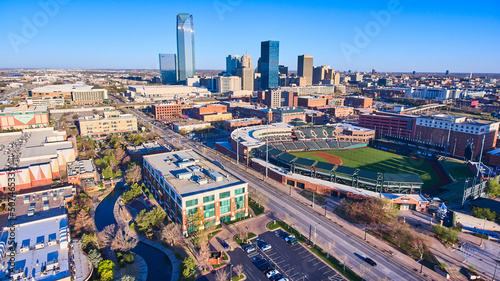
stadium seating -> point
(319, 133)
(290, 146)
(279, 146)
(312, 145)
(334, 144)
(322, 144)
(300, 145)
(344, 144)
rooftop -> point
(189, 173)
(250, 136)
(64, 88)
(80, 167)
(20, 109)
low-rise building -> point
(212, 113)
(288, 114)
(358, 101)
(76, 93)
(137, 152)
(24, 117)
(189, 125)
(100, 127)
(230, 125)
(167, 111)
(82, 171)
(195, 192)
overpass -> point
(422, 108)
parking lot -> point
(292, 261)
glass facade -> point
(239, 191)
(185, 47)
(269, 60)
(224, 194)
(191, 203)
(239, 203)
(209, 198)
(209, 211)
(168, 68)
(225, 206)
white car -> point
(272, 272)
(289, 237)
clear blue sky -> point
(425, 36)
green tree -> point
(94, 257)
(106, 270)
(188, 268)
(146, 220)
(107, 172)
(482, 213)
(135, 190)
(493, 188)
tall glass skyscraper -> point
(185, 46)
(269, 56)
(168, 68)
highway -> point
(304, 217)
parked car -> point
(283, 235)
(224, 244)
(276, 277)
(271, 273)
(290, 237)
(248, 248)
(283, 279)
(370, 261)
(293, 241)
(263, 245)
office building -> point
(168, 92)
(168, 68)
(269, 55)
(319, 74)
(78, 93)
(233, 62)
(188, 187)
(211, 112)
(428, 93)
(166, 111)
(185, 47)
(459, 135)
(228, 84)
(288, 114)
(389, 124)
(358, 101)
(275, 98)
(283, 70)
(100, 127)
(305, 68)
(230, 125)
(246, 73)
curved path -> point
(125, 226)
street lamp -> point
(366, 228)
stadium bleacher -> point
(319, 133)
(300, 145)
(312, 145)
(307, 133)
(344, 144)
(279, 146)
(322, 144)
(290, 146)
(334, 144)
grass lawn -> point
(375, 160)
(458, 169)
(255, 207)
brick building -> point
(358, 101)
(386, 123)
(167, 111)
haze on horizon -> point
(390, 36)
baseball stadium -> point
(338, 153)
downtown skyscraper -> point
(185, 47)
(168, 68)
(269, 59)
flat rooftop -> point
(20, 109)
(80, 167)
(248, 135)
(64, 88)
(183, 170)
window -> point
(208, 198)
(239, 203)
(191, 203)
(179, 201)
(225, 206)
(239, 191)
(224, 194)
(209, 210)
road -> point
(305, 218)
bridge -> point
(422, 108)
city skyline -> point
(399, 36)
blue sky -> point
(425, 36)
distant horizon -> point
(395, 36)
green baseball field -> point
(375, 160)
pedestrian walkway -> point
(124, 225)
(143, 268)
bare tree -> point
(133, 174)
(123, 241)
(239, 270)
(172, 233)
(418, 244)
(221, 275)
(344, 259)
(203, 255)
(258, 197)
(362, 271)
(83, 222)
(331, 247)
(107, 235)
(242, 233)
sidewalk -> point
(380, 245)
(124, 225)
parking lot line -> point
(322, 267)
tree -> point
(123, 241)
(331, 247)
(188, 268)
(107, 172)
(242, 233)
(493, 188)
(106, 270)
(239, 270)
(195, 219)
(418, 244)
(119, 154)
(344, 259)
(221, 275)
(107, 235)
(146, 220)
(258, 197)
(483, 213)
(172, 233)
(135, 190)
(94, 257)
(203, 254)
(133, 174)
(83, 223)
(400, 232)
